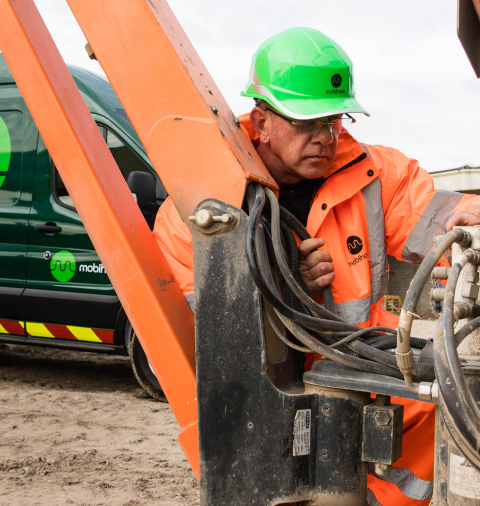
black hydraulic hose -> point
(375, 338)
(464, 447)
(424, 271)
(253, 250)
(404, 351)
(447, 392)
(289, 278)
(291, 251)
(458, 408)
(372, 353)
(362, 332)
(282, 337)
(256, 250)
(467, 329)
(357, 363)
(391, 342)
(303, 234)
(457, 376)
(329, 339)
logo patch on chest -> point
(354, 244)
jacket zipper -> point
(345, 167)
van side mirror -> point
(142, 186)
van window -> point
(126, 159)
(11, 147)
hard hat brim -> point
(306, 108)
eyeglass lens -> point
(335, 125)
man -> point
(358, 202)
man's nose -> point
(323, 135)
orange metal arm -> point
(186, 126)
(142, 279)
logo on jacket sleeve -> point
(354, 244)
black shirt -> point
(298, 198)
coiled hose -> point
(270, 247)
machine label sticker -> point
(301, 432)
(464, 479)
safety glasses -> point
(310, 126)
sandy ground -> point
(75, 429)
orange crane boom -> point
(191, 136)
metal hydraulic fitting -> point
(437, 294)
(425, 391)
(441, 272)
(470, 290)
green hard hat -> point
(303, 74)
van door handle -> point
(52, 229)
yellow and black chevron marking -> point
(56, 331)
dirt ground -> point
(75, 429)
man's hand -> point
(470, 216)
(315, 267)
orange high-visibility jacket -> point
(375, 201)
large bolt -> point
(382, 418)
(205, 218)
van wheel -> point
(143, 371)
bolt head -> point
(214, 109)
(237, 122)
(382, 418)
(324, 455)
(204, 218)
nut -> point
(382, 417)
(425, 391)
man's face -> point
(294, 152)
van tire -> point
(143, 372)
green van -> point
(54, 290)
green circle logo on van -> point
(63, 266)
(5, 150)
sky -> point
(411, 72)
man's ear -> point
(262, 123)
